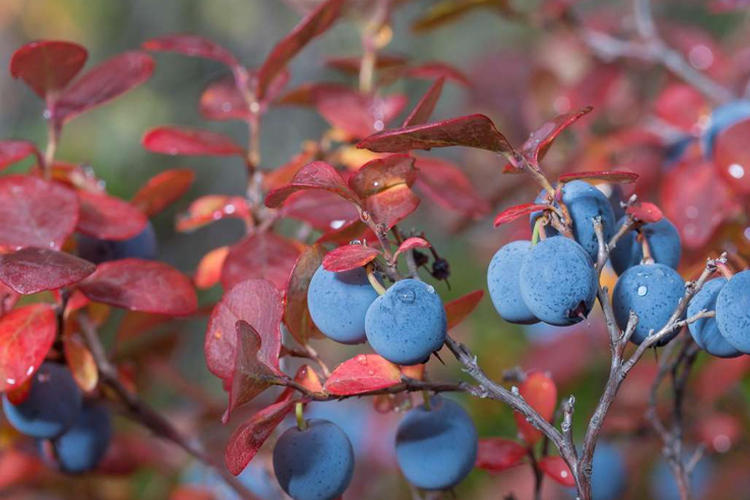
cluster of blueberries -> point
(555, 281)
(55, 410)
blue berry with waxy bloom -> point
(663, 240)
(52, 405)
(653, 292)
(436, 448)
(142, 246)
(584, 203)
(407, 323)
(502, 281)
(705, 331)
(558, 281)
(338, 303)
(81, 448)
(722, 118)
(733, 311)
(316, 463)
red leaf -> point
(141, 285)
(498, 454)
(391, 206)
(8, 298)
(296, 314)
(14, 151)
(285, 173)
(733, 158)
(211, 208)
(47, 65)
(539, 141)
(362, 373)
(109, 218)
(26, 336)
(250, 436)
(323, 210)
(256, 302)
(426, 105)
(557, 470)
(645, 212)
(459, 309)
(162, 190)
(189, 142)
(681, 106)
(410, 244)
(357, 114)
(315, 175)
(103, 83)
(263, 255)
(474, 131)
(434, 69)
(208, 272)
(313, 25)
(603, 176)
(541, 393)
(348, 257)
(448, 186)
(35, 212)
(33, 270)
(381, 174)
(721, 376)
(250, 376)
(221, 100)
(307, 94)
(191, 45)
(513, 213)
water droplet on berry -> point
(430, 289)
(642, 290)
(407, 296)
(362, 359)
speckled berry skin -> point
(584, 202)
(314, 464)
(502, 281)
(407, 323)
(143, 246)
(52, 405)
(81, 448)
(653, 292)
(733, 312)
(722, 117)
(558, 281)
(705, 331)
(338, 303)
(664, 243)
(436, 448)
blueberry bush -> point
(624, 243)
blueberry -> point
(502, 281)
(436, 448)
(733, 312)
(314, 464)
(705, 331)
(663, 240)
(406, 324)
(143, 246)
(663, 485)
(584, 202)
(52, 406)
(653, 292)
(338, 303)
(82, 446)
(558, 281)
(722, 118)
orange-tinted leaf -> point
(556, 469)
(380, 174)
(733, 158)
(80, 361)
(307, 378)
(141, 285)
(513, 213)
(615, 176)
(263, 255)
(415, 372)
(193, 46)
(296, 314)
(35, 212)
(411, 244)
(162, 190)
(47, 65)
(426, 105)
(498, 454)
(192, 492)
(348, 257)
(459, 309)
(109, 218)
(315, 175)
(445, 184)
(539, 142)
(26, 336)
(190, 142)
(256, 302)
(314, 24)
(357, 114)
(540, 392)
(33, 270)
(391, 206)
(474, 131)
(208, 273)
(362, 373)
(210, 208)
(250, 436)
(14, 151)
(645, 212)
